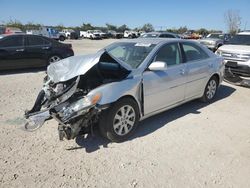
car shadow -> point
(149, 125)
(21, 71)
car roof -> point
(244, 33)
(153, 40)
(161, 32)
(24, 34)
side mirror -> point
(158, 66)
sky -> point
(134, 13)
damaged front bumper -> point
(74, 117)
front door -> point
(12, 52)
(165, 88)
(37, 50)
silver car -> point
(123, 84)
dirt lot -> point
(194, 145)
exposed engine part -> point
(81, 125)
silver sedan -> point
(124, 83)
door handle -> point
(45, 47)
(19, 50)
(182, 71)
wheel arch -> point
(216, 75)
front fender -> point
(112, 92)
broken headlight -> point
(79, 107)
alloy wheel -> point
(54, 59)
(211, 89)
(124, 120)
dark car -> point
(114, 34)
(75, 35)
(26, 51)
(159, 35)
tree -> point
(203, 31)
(182, 30)
(87, 26)
(148, 27)
(15, 23)
(122, 28)
(233, 21)
(111, 27)
(59, 27)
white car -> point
(83, 34)
(236, 54)
(102, 34)
(48, 32)
(91, 34)
(130, 34)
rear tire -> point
(119, 122)
(210, 90)
(62, 38)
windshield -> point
(130, 53)
(240, 40)
(216, 36)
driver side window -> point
(169, 54)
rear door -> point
(12, 52)
(37, 50)
(165, 88)
(198, 69)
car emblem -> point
(234, 55)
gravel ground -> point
(194, 145)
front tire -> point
(210, 90)
(53, 59)
(119, 122)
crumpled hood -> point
(71, 67)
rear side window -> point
(193, 52)
(36, 41)
(13, 41)
(166, 36)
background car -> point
(71, 34)
(114, 34)
(48, 32)
(191, 34)
(214, 40)
(130, 34)
(159, 35)
(26, 51)
(101, 33)
(236, 54)
(91, 34)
